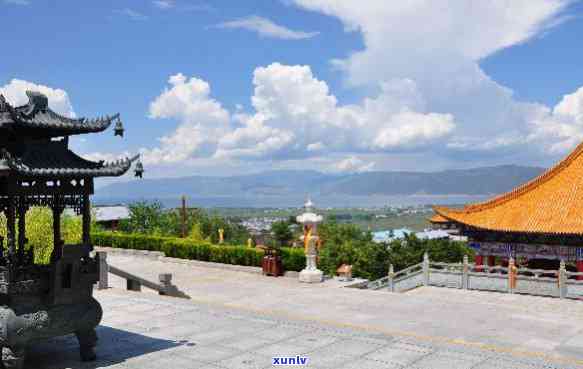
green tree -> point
(145, 217)
(39, 232)
(347, 244)
(282, 233)
(408, 252)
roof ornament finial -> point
(309, 204)
(118, 130)
(37, 100)
(139, 169)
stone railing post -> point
(391, 278)
(465, 273)
(426, 269)
(511, 276)
(103, 283)
(562, 280)
(165, 280)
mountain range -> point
(477, 181)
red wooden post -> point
(580, 269)
(479, 261)
(183, 216)
(491, 260)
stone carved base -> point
(311, 276)
(18, 330)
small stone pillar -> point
(512, 274)
(309, 220)
(103, 283)
(426, 269)
(391, 278)
(465, 273)
(562, 280)
(165, 280)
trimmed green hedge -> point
(184, 248)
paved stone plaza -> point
(143, 331)
(241, 320)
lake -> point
(321, 201)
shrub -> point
(39, 231)
(186, 248)
(293, 258)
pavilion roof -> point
(53, 159)
(552, 203)
(37, 117)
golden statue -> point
(221, 235)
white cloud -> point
(437, 45)
(15, 94)
(431, 101)
(354, 165)
(202, 121)
(106, 157)
(17, 2)
(266, 28)
(188, 100)
(164, 4)
(294, 116)
(132, 14)
(413, 129)
(562, 127)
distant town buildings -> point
(260, 225)
(109, 217)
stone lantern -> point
(309, 221)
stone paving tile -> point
(161, 360)
(246, 361)
(313, 340)
(398, 354)
(280, 332)
(328, 360)
(283, 349)
(206, 354)
(370, 364)
(247, 343)
(350, 347)
(212, 336)
(498, 364)
(445, 361)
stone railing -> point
(135, 283)
(465, 275)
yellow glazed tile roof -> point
(551, 203)
(438, 219)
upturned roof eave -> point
(37, 116)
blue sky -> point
(334, 85)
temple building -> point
(538, 223)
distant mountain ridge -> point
(477, 181)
